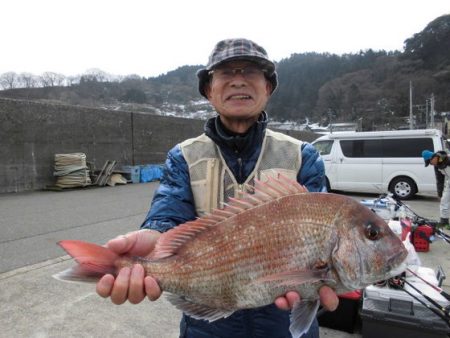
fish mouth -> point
(396, 264)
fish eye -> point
(372, 231)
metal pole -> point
(410, 105)
(432, 111)
(330, 115)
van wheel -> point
(403, 187)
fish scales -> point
(260, 241)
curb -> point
(33, 267)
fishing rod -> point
(397, 283)
(398, 203)
(442, 235)
(444, 317)
(419, 220)
(441, 291)
(431, 300)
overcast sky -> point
(152, 37)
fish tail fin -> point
(94, 261)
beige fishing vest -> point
(213, 183)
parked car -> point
(380, 161)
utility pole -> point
(432, 111)
(330, 118)
(410, 105)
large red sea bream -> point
(276, 239)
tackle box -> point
(392, 313)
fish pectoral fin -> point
(296, 277)
(198, 311)
(302, 315)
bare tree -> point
(98, 75)
(28, 80)
(8, 80)
(51, 79)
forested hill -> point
(370, 85)
(373, 85)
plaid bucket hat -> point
(237, 49)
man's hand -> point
(131, 283)
(328, 299)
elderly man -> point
(200, 173)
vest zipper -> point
(239, 160)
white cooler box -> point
(391, 313)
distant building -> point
(346, 126)
(288, 125)
(333, 128)
(315, 127)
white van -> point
(380, 161)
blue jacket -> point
(173, 204)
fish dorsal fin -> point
(262, 193)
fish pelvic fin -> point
(94, 261)
(302, 316)
(263, 192)
(198, 311)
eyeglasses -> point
(248, 72)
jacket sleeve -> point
(173, 202)
(312, 171)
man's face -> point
(434, 160)
(239, 95)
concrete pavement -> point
(31, 223)
(36, 305)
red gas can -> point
(421, 238)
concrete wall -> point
(31, 133)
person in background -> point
(440, 161)
(200, 173)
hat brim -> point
(263, 63)
(203, 79)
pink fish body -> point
(257, 248)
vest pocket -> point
(205, 190)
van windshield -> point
(323, 147)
